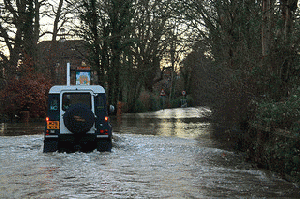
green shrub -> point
(190, 100)
(175, 103)
(284, 114)
(139, 107)
(147, 102)
(154, 102)
(283, 156)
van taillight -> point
(106, 118)
(104, 131)
(47, 119)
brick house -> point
(54, 57)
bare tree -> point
(104, 25)
(18, 21)
(150, 23)
(129, 40)
(57, 23)
(58, 14)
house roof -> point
(68, 49)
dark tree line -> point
(252, 55)
(243, 52)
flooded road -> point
(164, 154)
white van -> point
(77, 119)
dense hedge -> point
(284, 114)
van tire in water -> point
(104, 145)
(50, 145)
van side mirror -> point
(111, 109)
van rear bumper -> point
(77, 138)
(51, 136)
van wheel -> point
(104, 145)
(50, 146)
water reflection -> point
(182, 122)
(17, 129)
(187, 122)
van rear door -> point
(69, 98)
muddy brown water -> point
(163, 154)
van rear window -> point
(69, 99)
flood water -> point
(163, 154)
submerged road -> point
(163, 154)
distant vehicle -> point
(77, 119)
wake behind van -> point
(77, 119)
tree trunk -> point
(288, 8)
(266, 16)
